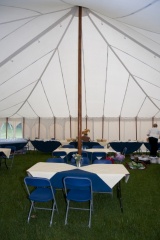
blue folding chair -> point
(55, 160)
(40, 190)
(68, 146)
(73, 161)
(98, 155)
(102, 161)
(85, 161)
(71, 155)
(97, 146)
(60, 154)
(78, 189)
(84, 154)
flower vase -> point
(78, 158)
(78, 163)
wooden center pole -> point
(80, 81)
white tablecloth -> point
(111, 174)
(107, 150)
(67, 150)
(6, 151)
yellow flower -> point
(77, 157)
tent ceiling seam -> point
(147, 81)
(124, 96)
(122, 32)
(143, 66)
(37, 81)
(34, 16)
(27, 67)
(21, 49)
(122, 62)
(27, 9)
(46, 97)
(21, 19)
(156, 114)
(105, 89)
(156, 99)
(19, 90)
(146, 37)
(32, 109)
(16, 29)
(138, 10)
(28, 96)
(48, 62)
(63, 82)
(135, 58)
(10, 107)
(159, 110)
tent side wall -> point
(112, 129)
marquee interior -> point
(120, 67)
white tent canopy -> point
(120, 64)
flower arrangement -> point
(77, 157)
(85, 132)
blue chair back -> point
(98, 155)
(97, 146)
(85, 161)
(37, 182)
(60, 154)
(73, 161)
(84, 154)
(71, 155)
(79, 183)
(68, 146)
(55, 160)
(102, 161)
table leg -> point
(119, 195)
(4, 162)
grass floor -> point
(140, 219)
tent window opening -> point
(10, 130)
(18, 131)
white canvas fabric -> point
(120, 61)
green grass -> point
(140, 219)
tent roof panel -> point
(39, 58)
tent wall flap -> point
(134, 129)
